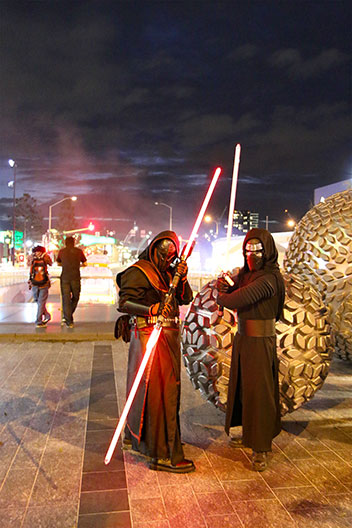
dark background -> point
(126, 103)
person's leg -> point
(66, 300)
(35, 293)
(75, 290)
(42, 298)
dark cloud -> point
(297, 66)
(126, 104)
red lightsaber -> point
(154, 336)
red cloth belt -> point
(256, 327)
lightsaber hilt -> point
(230, 282)
(171, 292)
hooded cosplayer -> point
(258, 296)
(153, 425)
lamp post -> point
(12, 184)
(170, 209)
(73, 198)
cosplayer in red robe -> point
(153, 426)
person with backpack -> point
(39, 283)
(70, 258)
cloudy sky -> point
(126, 103)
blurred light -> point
(29, 243)
(73, 198)
(91, 227)
(291, 223)
(208, 218)
(10, 184)
(12, 162)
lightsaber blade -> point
(154, 336)
(151, 344)
(202, 211)
(236, 165)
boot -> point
(259, 460)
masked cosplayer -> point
(258, 296)
(153, 426)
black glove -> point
(221, 285)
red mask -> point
(164, 253)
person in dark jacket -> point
(258, 296)
(70, 258)
(153, 426)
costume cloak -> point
(253, 396)
(153, 421)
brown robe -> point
(153, 421)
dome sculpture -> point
(317, 315)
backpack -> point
(38, 274)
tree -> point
(28, 218)
(66, 220)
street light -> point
(209, 219)
(73, 198)
(290, 222)
(12, 184)
(170, 208)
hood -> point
(270, 252)
(170, 235)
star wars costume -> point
(258, 296)
(153, 425)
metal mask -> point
(254, 254)
(164, 253)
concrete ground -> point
(61, 391)
(58, 410)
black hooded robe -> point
(253, 395)
(153, 421)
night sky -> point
(126, 103)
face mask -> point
(254, 253)
(164, 253)
(254, 262)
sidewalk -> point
(92, 322)
(59, 403)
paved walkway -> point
(58, 407)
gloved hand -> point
(165, 310)
(182, 269)
(154, 309)
(221, 285)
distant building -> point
(328, 190)
(245, 220)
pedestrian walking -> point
(39, 283)
(70, 258)
(258, 296)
